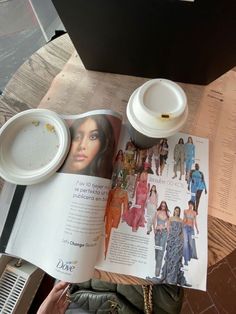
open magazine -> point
(114, 207)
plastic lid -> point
(158, 108)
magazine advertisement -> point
(156, 213)
(114, 207)
(59, 222)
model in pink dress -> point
(135, 216)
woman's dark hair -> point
(177, 207)
(190, 138)
(163, 142)
(191, 203)
(152, 190)
(120, 152)
(181, 141)
(167, 209)
(101, 165)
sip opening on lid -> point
(157, 109)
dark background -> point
(192, 42)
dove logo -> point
(67, 266)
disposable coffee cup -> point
(157, 109)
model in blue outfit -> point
(196, 185)
(172, 272)
(160, 227)
(189, 155)
(190, 221)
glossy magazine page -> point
(156, 214)
(58, 223)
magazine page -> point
(60, 221)
(156, 214)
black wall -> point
(191, 42)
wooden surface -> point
(31, 82)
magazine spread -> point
(156, 213)
(114, 207)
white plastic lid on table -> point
(158, 108)
(33, 145)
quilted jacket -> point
(97, 296)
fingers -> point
(63, 303)
(61, 285)
(64, 300)
(57, 300)
(59, 290)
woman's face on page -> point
(85, 145)
(163, 206)
(177, 211)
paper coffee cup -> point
(156, 110)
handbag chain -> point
(147, 295)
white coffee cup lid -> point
(158, 108)
(33, 145)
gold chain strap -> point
(147, 295)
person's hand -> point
(56, 302)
